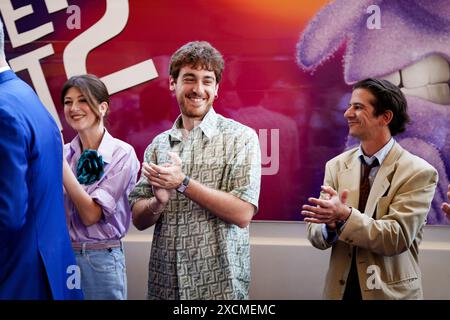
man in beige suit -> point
(374, 203)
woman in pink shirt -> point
(99, 171)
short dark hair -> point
(197, 54)
(387, 97)
(92, 88)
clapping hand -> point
(329, 210)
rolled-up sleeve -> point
(143, 189)
(118, 183)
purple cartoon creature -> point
(409, 45)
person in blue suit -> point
(36, 257)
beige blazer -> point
(387, 235)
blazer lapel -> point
(383, 179)
(349, 179)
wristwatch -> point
(182, 187)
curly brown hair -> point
(197, 54)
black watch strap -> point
(182, 187)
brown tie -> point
(352, 288)
(364, 187)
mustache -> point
(195, 95)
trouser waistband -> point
(83, 246)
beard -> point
(191, 111)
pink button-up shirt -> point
(110, 192)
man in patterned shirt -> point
(200, 246)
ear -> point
(172, 83)
(388, 115)
(216, 93)
(103, 108)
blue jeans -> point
(103, 273)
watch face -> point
(183, 185)
(181, 188)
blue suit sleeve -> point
(13, 171)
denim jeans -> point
(103, 273)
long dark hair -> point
(92, 88)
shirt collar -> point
(209, 123)
(105, 149)
(380, 154)
(208, 126)
(3, 69)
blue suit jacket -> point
(35, 249)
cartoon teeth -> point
(427, 79)
(437, 93)
(394, 78)
(430, 70)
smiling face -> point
(78, 113)
(363, 124)
(195, 90)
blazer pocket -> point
(405, 289)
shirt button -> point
(341, 282)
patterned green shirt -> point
(196, 255)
